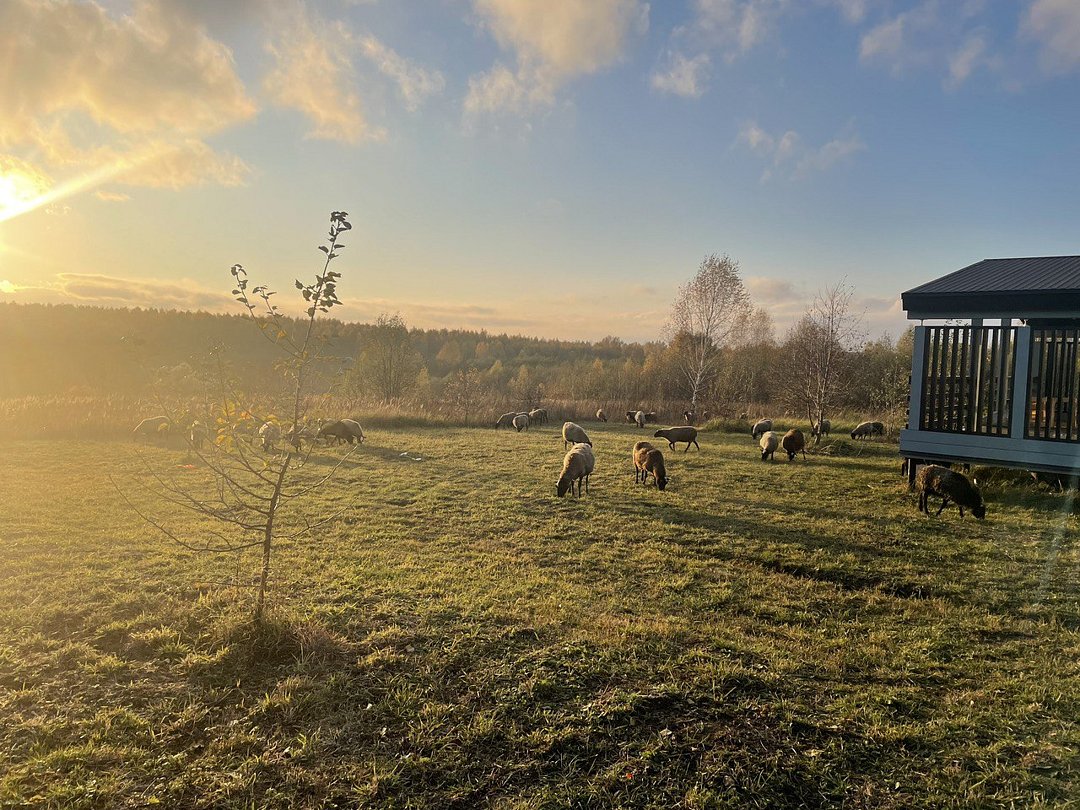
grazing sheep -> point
(760, 427)
(648, 460)
(769, 442)
(688, 417)
(537, 416)
(639, 419)
(864, 429)
(198, 434)
(630, 416)
(151, 426)
(600, 415)
(298, 434)
(506, 420)
(650, 416)
(822, 428)
(269, 435)
(348, 430)
(679, 434)
(794, 442)
(638, 453)
(521, 422)
(573, 434)
(578, 465)
(946, 484)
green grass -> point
(760, 635)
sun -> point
(21, 187)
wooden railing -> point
(968, 379)
(1054, 385)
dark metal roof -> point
(1044, 285)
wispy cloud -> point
(788, 155)
(414, 83)
(1055, 25)
(552, 43)
(682, 76)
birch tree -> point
(819, 351)
(709, 314)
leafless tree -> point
(463, 390)
(818, 351)
(709, 314)
(242, 505)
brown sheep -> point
(679, 434)
(648, 460)
(946, 484)
(600, 415)
(794, 442)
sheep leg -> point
(698, 446)
(944, 503)
(586, 483)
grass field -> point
(760, 635)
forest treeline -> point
(69, 350)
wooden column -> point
(1021, 383)
(915, 390)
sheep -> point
(537, 416)
(630, 416)
(639, 419)
(506, 420)
(573, 434)
(647, 459)
(688, 417)
(298, 434)
(794, 442)
(578, 464)
(946, 484)
(822, 428)
(639, 451)
(521, 422)
(679, 434)
(768, 442)
(348, 430)
(600, 415)
(650, 416)
(269, 434)
(151, 426)
(760, 427)
(864, 429)
(198, 434)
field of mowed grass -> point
(759, 635)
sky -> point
(543, 167)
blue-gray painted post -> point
(918, 374)
(1021, 383)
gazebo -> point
(998, 380)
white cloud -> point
(854, 11)
(962, 63)
(414, 82)
(313, 73)
(552, 43)
(682, 76)
(789, 156)
(1055, 24)
(934, 35)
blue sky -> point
(551, 167)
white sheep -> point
(151, 426)
(578, 465)
(521, 422)
(574, 434)
(769, 442)
(348, 430)
(269, 434)
(639, 418)
(761, 426)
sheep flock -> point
(579, 462)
